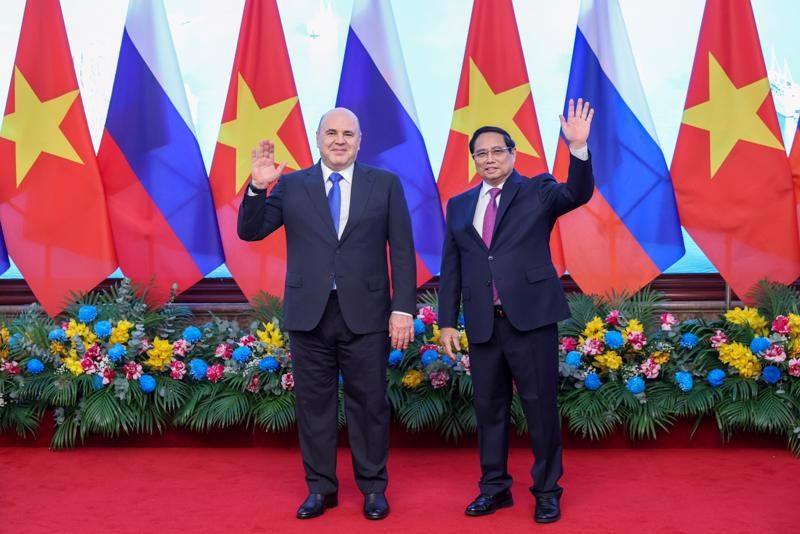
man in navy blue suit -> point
(497, 260)
(339, 217)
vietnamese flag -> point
(731, 176)
(493, 91)
(794, 161)
(52, 205)
(262, 104)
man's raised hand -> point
(263, 165)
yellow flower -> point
(160, 355)
(3, 354)
(81, 330)
(794, 324)
(748, 316)
(463, 341)
(794, 347)
(73, 366)
(434, 339)
(412, 379)
(608, 360)
(121, 332)
(271, 335)
(660, 357)
(58, 348)
(633, 326)
(5, 335)
(741, 358)
(595, 328)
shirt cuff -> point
(402, 313)
(581, 153)
(254, 191)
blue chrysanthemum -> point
(430, 356)
(147, 383)
(97, 382)
(689, 340)
(592, 382)
(573, 358)
(419, 327)
(461, 319)
(269, 365)
(15, 341)
(613, 340)
(102, 329)
(117, 352)
(87, 314)
(715, 377)
(395, 356)
(57, 334)
(242, 354)
(198, 368)
(341, 378)
(759, 344)
(771, 374)
(685, 381)
(35, 366)
(635, 384)
(448, 360)
(192, 334)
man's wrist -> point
(402, 313)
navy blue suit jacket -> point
(519, 256)
(358, 261)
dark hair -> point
(493, 129)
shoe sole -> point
(326, 506)
(505, 504)
(547, 520)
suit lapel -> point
(472, 205)
(359, 196)
(315, 188)
(509, 192)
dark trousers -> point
(530, 359)
(318, 356)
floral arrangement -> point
(111, 365)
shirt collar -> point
(347, 173)
(486, 187)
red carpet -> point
(199, 490)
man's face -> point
(338, 139)
(493, 160)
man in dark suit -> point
(497, 259)
(339, 216)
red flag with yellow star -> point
(52, 205)
(731, 176)
(262, 104)
(493, 90)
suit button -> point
(331, 275)
(338, 251)
(491, 258)
(488, 282)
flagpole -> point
(727, 296)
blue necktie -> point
(335, 199)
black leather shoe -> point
(315, 504)
(548, 509)
(488, 504)
(375, 506)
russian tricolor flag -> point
(374, 85)
(159, 199)
(630, 231)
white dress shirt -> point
(345, 188)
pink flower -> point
(94, 352)
(465, 363)
(88, 365)
(180, 347)
(568, 344)
(593, 347)
(718, 339)
(427, 315)
(109, 374)
(215, 372)
(287, 381)
(145, 345)
(224, 351)
(668, 321)
(650, 368)
(636, 340)
(775, 354)
(177, 369)
(247, 340)
(613, 318)
(133, 371)
(424, 348)
(252, 387)
(794, 367)
(439, 379)
(781, 325)
(12, 368)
